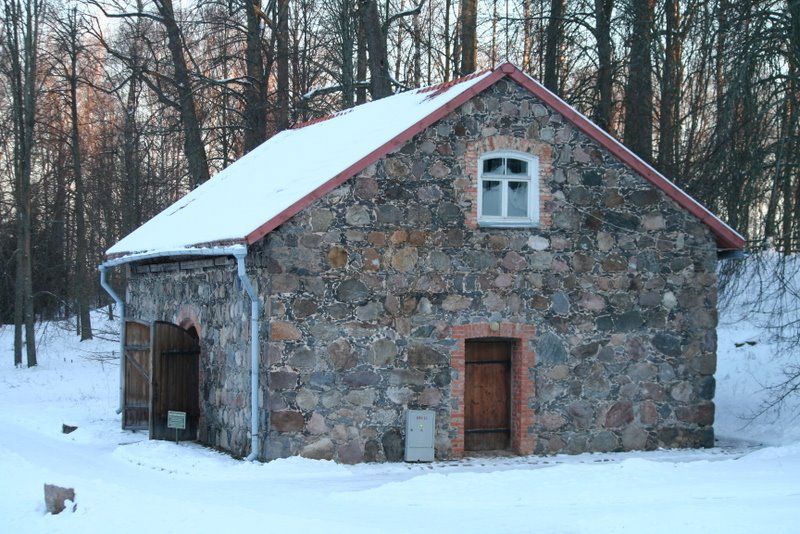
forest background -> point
(112, 109)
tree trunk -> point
(22, 42)
(19, 296)
(81, 274)
(493, 48)
(639, 89)
(719, 60)
(193, 146)
(417, 26)
(255, 91)
(527, 36)
(555, 36)
(282, 66)
(669, 110)
(788, 159)
(603, 113)
(347, 27)
(448, 53)
(378, 61)
(469, 36)
(361, 57)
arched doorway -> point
(175, 380)
(161, 374)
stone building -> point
(476, 248)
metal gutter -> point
(239, 252)
(231, 250)
(255, 310)
(121, 311)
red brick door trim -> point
(522, 361)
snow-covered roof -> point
(276, 180)
(259, 187)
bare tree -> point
(179, 81)
(23, 21)
(68, 30)
(669, 128)
(638, 134)
(553, 45)
(378, 57)
(469, 37)
(255, 90)
(603, 10)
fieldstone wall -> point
(205, 294)
(364, 287)
(368, 282)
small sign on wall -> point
(176, 420)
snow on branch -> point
(126, 15)
(321, 91)
(414, 11)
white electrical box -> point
(420, 426)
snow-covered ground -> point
(125, 483)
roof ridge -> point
(321, 119)
(440, 88)
(435, 89)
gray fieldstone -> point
(352, 291)
(393, 445)
(550, 349)
(287, 421)
(634, 438)
(357, 215)
(422, 356)
(322, 449)
(361, 378)
(316, 424)
(604, 442)
(382, 352)
(342, 355)
(350, 452)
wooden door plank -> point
(136, 376)
(487, 395)
(175, 380)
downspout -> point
(121, 310)
(240, 253)
(255, 310)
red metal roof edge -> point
(727, 238)
(300, 125)
(440, 88)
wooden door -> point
(136, 377)
(487, 395)
(175, 384)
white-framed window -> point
(508, 189)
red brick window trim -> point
(523, 359)
(467, 188)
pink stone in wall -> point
(281, 330)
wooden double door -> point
(161, 373)
(487, 395)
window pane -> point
(517, 166)
(517, 199)
(493, 165)
(492, 198)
